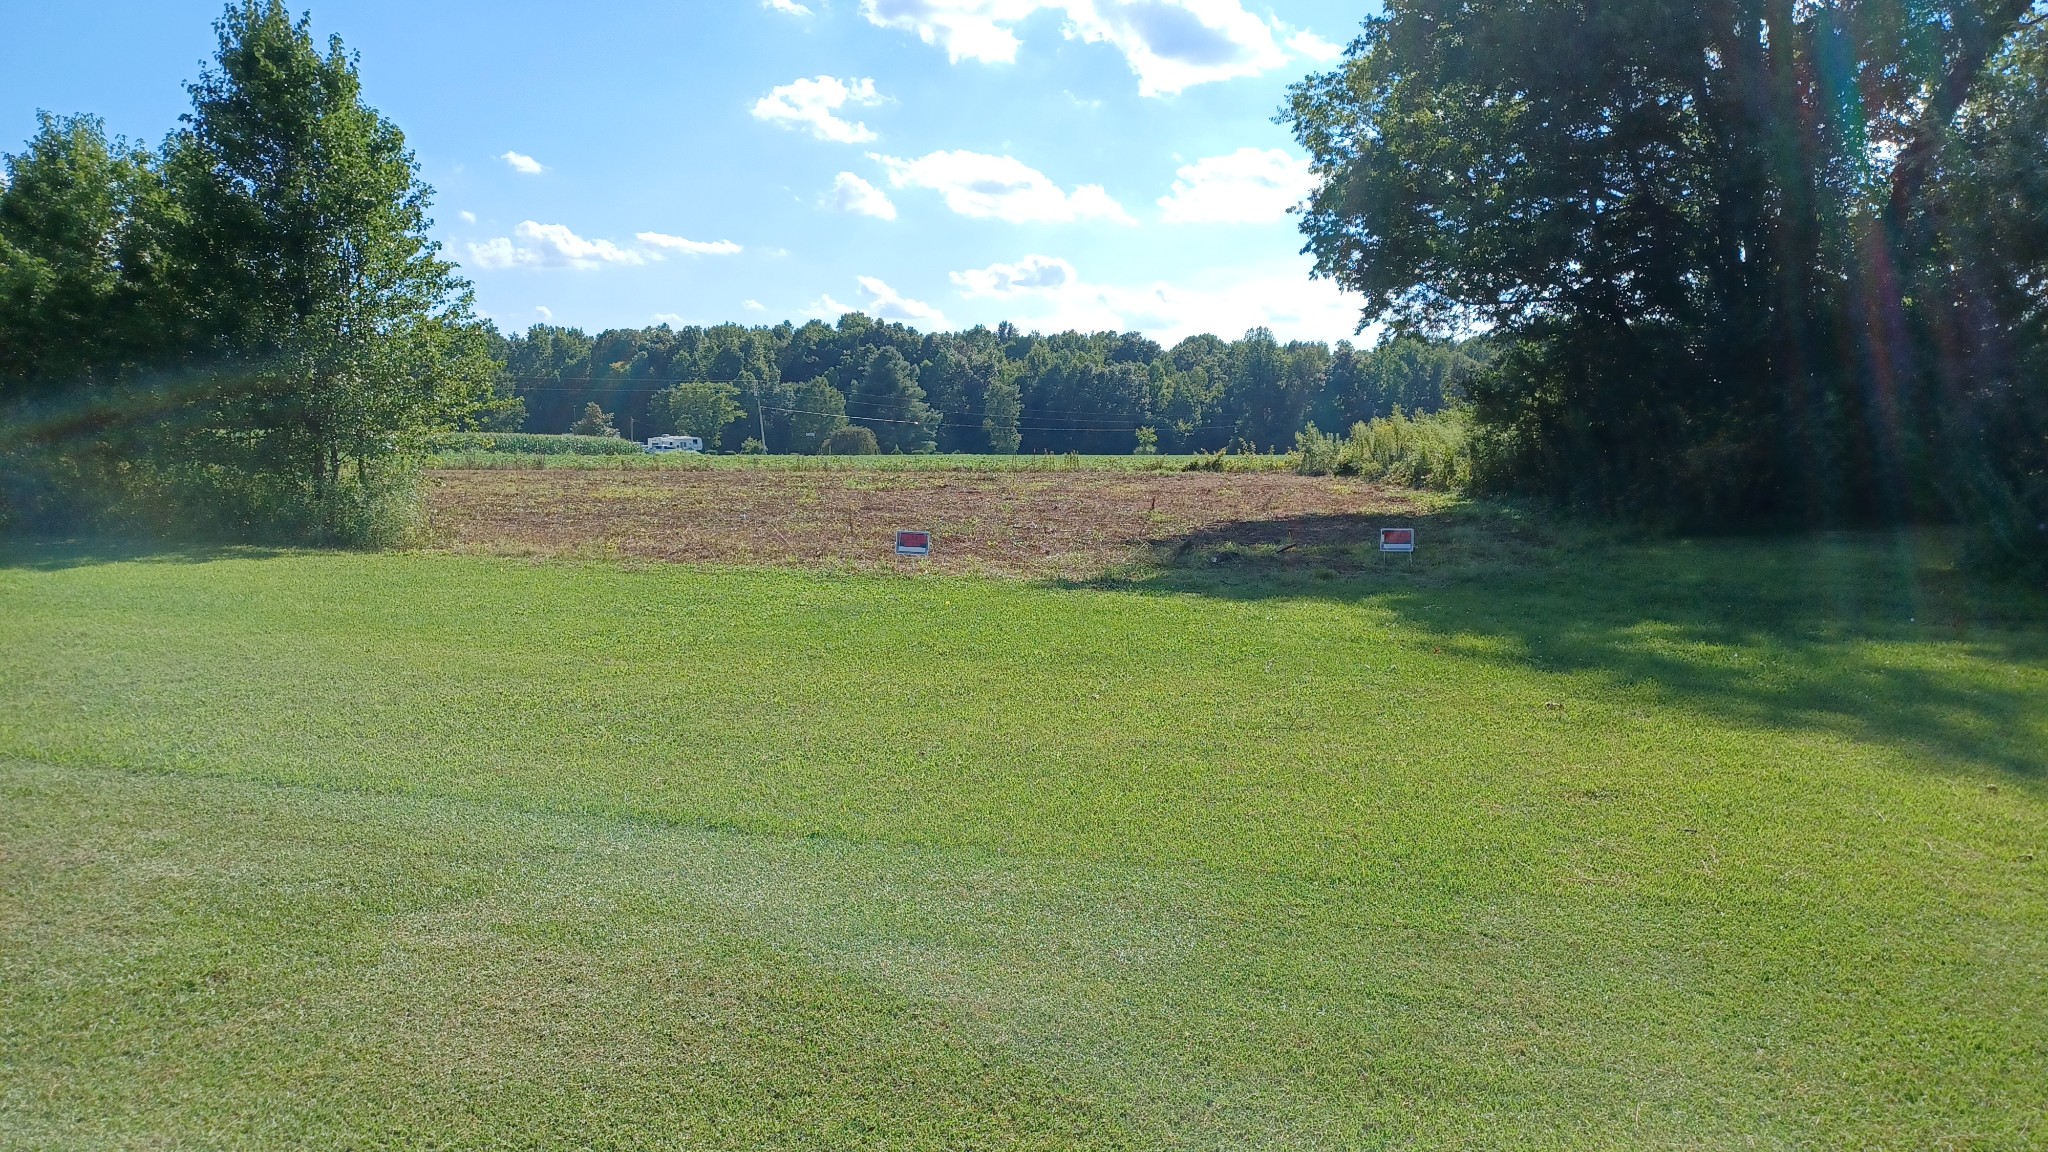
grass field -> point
(473, 460)
(1076, 526)
(1549, 839)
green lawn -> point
(1607, 845)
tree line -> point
(787, 388)
(1742, 261)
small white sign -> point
(1397, 539)
(913, 543)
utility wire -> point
(1034, 428)
(556, 384)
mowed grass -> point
(1601, 845)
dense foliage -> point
(1741, 258)
(243, 330)
(981, 390)
(1433, 451)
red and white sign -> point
(913, 543)
(1397, 539)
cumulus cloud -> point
(671, 319)
(467, 217)
(549, 246)
(1171, 45)
(522, 163)
(814, 105)
(1002, 188)
(787, 6)
(826, 308)
(1310, 46)
(1248, 186)
(537, 245)
(544, 312)
(887, 304)
(966, 29)
(1047, 293)
(753, 306)
(884, 303)
(852, 194)
(1031, 274)
(688, 247)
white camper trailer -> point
(675, 444)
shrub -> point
(1317, 453)
(595, 421)
(852, 440)
(1433, 451)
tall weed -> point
(1432, 452)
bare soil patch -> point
(1070, 524)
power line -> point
(942, 424)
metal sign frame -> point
(914, 543)
(1391, 540)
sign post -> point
(1397, 540)
(913, 543)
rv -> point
(675, 444)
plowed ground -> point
(1070, 525)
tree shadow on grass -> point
(56, 555)
(1871, 636)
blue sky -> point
(1083, 163)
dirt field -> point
(1073, 525)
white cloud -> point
(790, 7)
(1248, 186)
(544, 312)
(1002, 188)
(1048, 294)
(813, 104)
(467, 217)
(966, 29)
(826, 308)
(1031, 274)
(888, 304)
(669, 318)
(1171, 45)
(537, 245)
(688, 247)
(522, 163)
(885, 303)
(852, 194)
(550, 246)
(753, 306)
(1310, 46)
